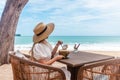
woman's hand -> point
(56, 47)
(59, 57)
(59, 42)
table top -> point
(80, 58)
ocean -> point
(103, 43)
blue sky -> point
(71, 17)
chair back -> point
(25, 69)
(103, 70)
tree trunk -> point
(8, 25)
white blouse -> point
(42, 51)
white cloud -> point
(102, 4)
(2, 5)
(73, 13)
(73, 8)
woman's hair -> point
(31, 51)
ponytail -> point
(31, 52)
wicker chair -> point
(103, 70)
(25, 69)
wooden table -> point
(76, 60)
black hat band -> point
(42, 31)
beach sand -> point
(6, 69)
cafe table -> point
(77, 59)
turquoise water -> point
(72, 39)
(109, 43)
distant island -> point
(17, 34)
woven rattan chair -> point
(103, 70)
(25, 69)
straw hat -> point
(42, 31)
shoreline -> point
(6, 69)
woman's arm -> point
(56, 48)
(51, 60)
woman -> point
(42, 51)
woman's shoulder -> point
(43, 45)
(38, 45)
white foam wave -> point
(23, 47)
(96, 47)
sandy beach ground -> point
(6, 69)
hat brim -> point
(49, 30)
